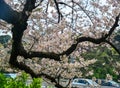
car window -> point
(7, 75)
(10, 75)
(109, 84)
(75, 80)
(82, 81)
(112, 82)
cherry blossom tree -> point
(55, 30)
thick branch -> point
(93, 40)
(108, 42)
(114, 26)
(18, 30)
(30, 5)
(32, 54)
(56, 57)
(52, 79)
(80, 40)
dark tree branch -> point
(32, 54)
(67, 5)
(80, 40)
(29, 5)
(114, 26)
(52, 80)
(27, 69)
(83, 11)
(56, 57)
(58, 10)
(47, 7)
(68, 83)
(108, 42)
(93, 40)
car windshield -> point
(12, 75)
(113, 82)
(82, 81)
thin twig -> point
(84, 11)
(67, 5)
(58, 10)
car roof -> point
(91, 81)
(112, 82)
(88, 80)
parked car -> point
(109, 83)
(114, 84)
(87, 83)
(10, 75)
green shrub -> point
(3, 80)
(19, 82)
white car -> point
(108, 83)
(81, 83)
(10, 75)
(114, 84)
